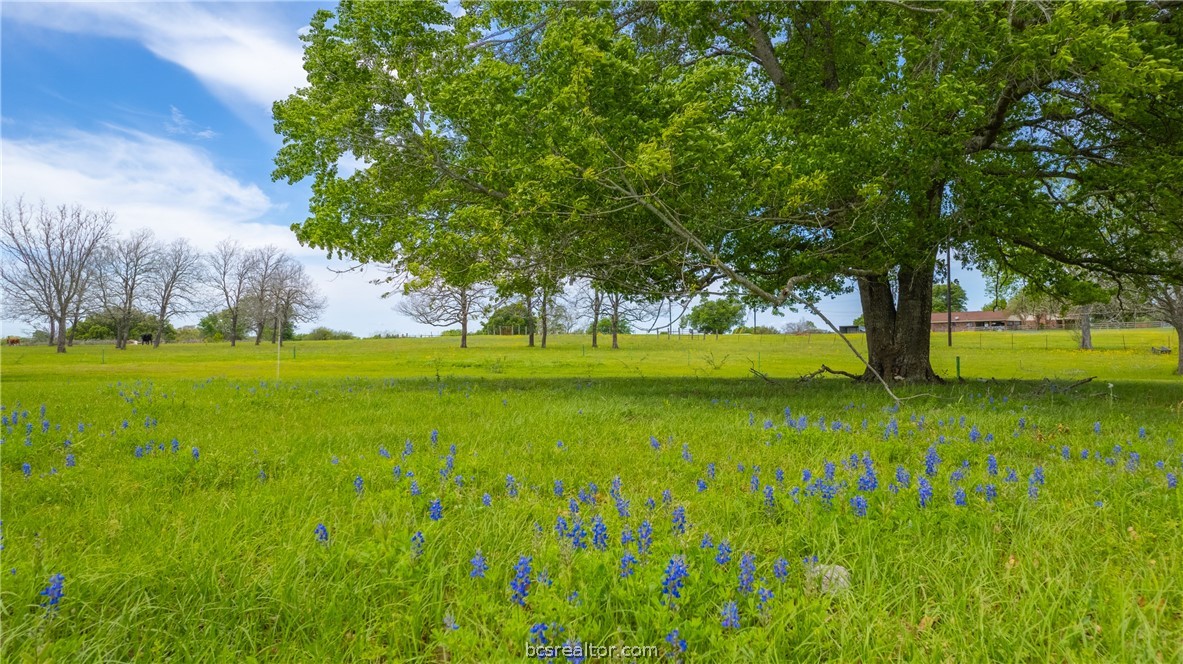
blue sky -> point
(161, 113)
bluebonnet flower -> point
(408, 449)
(1033, 490)
(460, 480)
(989, 438)
(724, 555)
(675, 575)
(1096, 427)
(599, 534)
(1160, 464)
(383, 452)
(1172, 480)
(578, 534)
(676, 642)
(763, 595)
(26, 469)
(654, 443)
(755, 483)
(322, 533)
(1011, 475)
(511, 486)
(780, 569)
(53, 592)
(124, 426)
(622, 508)
(435, 436)
(627, 564)
(1066, 452)
(1141, 432)
(974, 434)
(702, 485)
(558, 488)
(561, 526)
(859, 504)
(1099, 503)
(450, 622)
(1022, 423)
(959, 497)
(1037, 475)
(830, 468)
(747, 572)
(767, 424)
(196, 454)
(992, 465)
(139, 452)
(666, 497)
(989, 491)
(706, 542)
(925, 492)
(614, 490)
(626, 536)
(931, 461)
(769, 497)
(679, 519)
(487, 500)
(868, 481)
(780, 476)
(69, 461)
(538, 634)
(903, 477)
(479, 566)
(806, 475)
(521, 581)
(956, 476)
(449, 464)
(417, 544)
(573, 506)
(644, 537)
(359, 485)
(686, 452)
(435, 509)
(730, 615)
(649, 503)
(415, 488)
(711, 470)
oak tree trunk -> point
(542, 316)
(898, 328)
(1086, 328)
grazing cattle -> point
(145, 338)
(13, 341)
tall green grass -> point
(168, 557)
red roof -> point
(972, 317)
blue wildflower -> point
(859, 504)
(711, 470)
(724, 555)
(780, 569)
(769, 497)
(747, 572)
(558, 488)
(676, 642)
(511, 486)
(959, 497)
(706, 542)
(654, 443)
(479, 566)
(666, 497)
(925, 492)
(903, 477)
(196, 454)
(359, 485)
(53, 592)
(730, 615)
(931, 461)
(599, 534)
(991, 465)
(1011, 475)
(675, 575)
(686, 452)
(435, 436)
(679, 519)
(626, 536)
(1096, 427)
(649, 503)
(1172, 480)
(644, 537)
(26, 469)
(435, 509)
(578, 534)
(69, 461)
(450, 622)
(383, 452)
(763, 595)
(627, 564)
(521, 581)
(415, 488)
(322, 533)
(702, 485)
(417, 544)
(408, 449)
(487, 500)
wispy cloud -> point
(237, 51)
(180, 125)
(171, 187)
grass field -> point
(179, 493)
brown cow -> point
(13, 341)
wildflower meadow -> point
(401, 500)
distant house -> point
(982, 320)
(850, 329)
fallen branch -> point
(759, 374)
(1079, 383)
(808, 377)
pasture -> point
(406, 500)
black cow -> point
(145, 338)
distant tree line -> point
(66, 272)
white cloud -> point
(180, 125)
(236, 50)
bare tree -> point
(123, 269)
(174, 286)
(439, 304)
(264, 262)
(294, 296)
(46, 254)
(229, 269)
